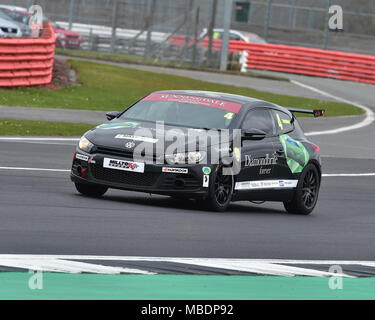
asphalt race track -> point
(41, 213)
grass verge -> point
(40, 128)
(104, 56)
(107, 87)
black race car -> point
(214, 147)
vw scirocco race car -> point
(213, 147)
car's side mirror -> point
(111, 115)
(253, 134)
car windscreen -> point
(184, 110)
(252, 37)
(18, 16)
(4, 16)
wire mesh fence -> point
(305, 23)
(172, 30)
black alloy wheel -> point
(310, 189)
(307, 192)
(220, 190)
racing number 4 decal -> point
(296, 154)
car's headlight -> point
(85, 145)
(195, 157)
(60, 35)
(190, 157)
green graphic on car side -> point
(118, 125)
(296, 154)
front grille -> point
(124, 177)
(115, 152)
(180, 181)
(8, 30)
(127, 154)
(75, 166)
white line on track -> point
(34, 169)
(348, 174)
(37, 139)
(370, 174)
(55, 264)
(370, 116)
(69, 264)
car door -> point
(257, 156)
(291, 153)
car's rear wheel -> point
(306, 194)
(220, 191)
(90, 190)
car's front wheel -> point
(91, 190)
(306, 194)
(220, 191)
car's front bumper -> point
(152, 180)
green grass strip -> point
(106, 87)
(131, 59)
(10, 127)
(175, 287)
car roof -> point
(213, 94)
(248, 101)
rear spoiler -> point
(315, 112)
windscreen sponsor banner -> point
(265, 184)
(203, 101)
(124, 165)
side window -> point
(218, 35)
(282, 122)
(259, 119)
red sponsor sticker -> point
(203, 101)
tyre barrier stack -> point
(298, 60)
(308, 61)
(27, 61)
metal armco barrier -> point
(307, 61)
(27, 61)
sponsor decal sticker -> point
(136, 138)
(82, 157)
(266, 161)
(206, 180)
(124, 165)
(206, 170)
(296, 154)
(279, 122)
(118, 125)
(175, 170)
(265, 171)
(203, 101)
(229, 115)
(265, 184)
